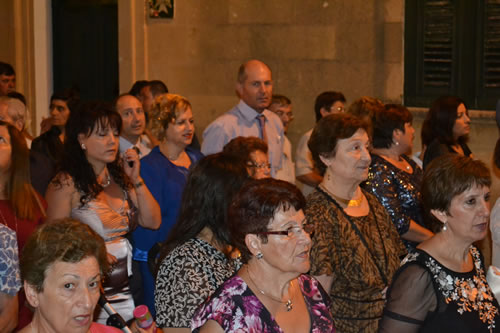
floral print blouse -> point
(236, 308)
(425, 296)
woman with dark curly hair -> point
(61, 267)
(104, 191)
(271, 292)
(446, 126)
(252, 151)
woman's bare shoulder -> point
(62, 182)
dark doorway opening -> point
(85, 47)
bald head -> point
(13, 111)
(250, 65)
(255, 85)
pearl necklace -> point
(288, 304)
(108, 181)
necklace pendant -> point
(289, 305)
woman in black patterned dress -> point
(442, 286)
(195, 259)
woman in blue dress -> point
(164, 171)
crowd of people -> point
(118, 205)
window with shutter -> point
(452, 47)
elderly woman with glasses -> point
(253, 152)
(271, 292)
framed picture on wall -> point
(161, 9)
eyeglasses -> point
(288, 114)
(339, 109)
(259, 165)
(291, 232)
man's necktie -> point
(262, 126)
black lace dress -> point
(425, 296)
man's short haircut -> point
(157, 87)
(6, 69)
(70, 96)
(281, 100)
(137, 87)
(325, 100)
(115, 101)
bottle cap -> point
(140, 311)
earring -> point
(396, 143)
(83, 146)
(259, 255)
(444, 227)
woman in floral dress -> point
(442, 286)
(271, 292)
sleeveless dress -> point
(112, 226)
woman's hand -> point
(131, 164)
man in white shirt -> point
(133, 125)
(282, 107)
(250, 117)
(328, 102)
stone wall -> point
(354, 46)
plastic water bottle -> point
(143, 317)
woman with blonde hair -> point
(164, 171)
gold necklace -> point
(345, 202)
(288, 304)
